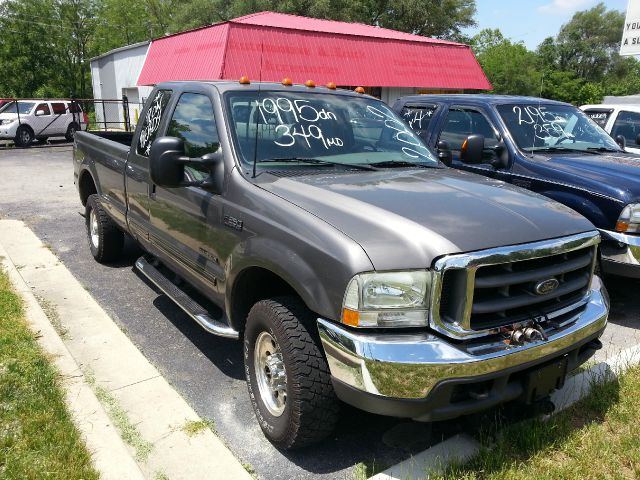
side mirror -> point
(638, 139)
(40, 113)
(621, 141)
(167, 161)
(472, 149)
(444, 153)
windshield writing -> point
(539, 127)
(336, 128)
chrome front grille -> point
(479, 292)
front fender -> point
(581, 204)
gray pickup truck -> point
(314, 225)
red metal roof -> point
(270, 46)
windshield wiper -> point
(399, 163)
(562, 149)
(316, 161)
(604, 149)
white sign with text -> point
(630, 44)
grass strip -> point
(38, 439)
(597, 438)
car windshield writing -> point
(335, 128)
(24, 107)
(543, 127)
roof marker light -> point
(244, 80)
(359, 90)
(331, 86)
(287, 82)
(310, 83)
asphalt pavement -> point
(36, 186)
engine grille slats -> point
(500, 280)
(501, 303)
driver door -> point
(185, 221)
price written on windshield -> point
(299, 111)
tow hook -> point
(525, 334)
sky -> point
(532, 21)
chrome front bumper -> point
(620, 253)
(411, 365)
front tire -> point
(287, 375)
(24, 136)
(105, 238)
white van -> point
(24, 121)
(618, 121)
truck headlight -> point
(629, 221)
(388, 299)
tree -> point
(511, 68)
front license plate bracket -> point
(539, 383)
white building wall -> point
(114, 75)
(390, 94)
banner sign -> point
(630, 44)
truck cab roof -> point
(479, 99)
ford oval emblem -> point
(544, 287)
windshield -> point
(554, 127)
(24, 107)
(323, 129)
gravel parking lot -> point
(37, 186)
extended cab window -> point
(419, 117)
(151, 122)
(628, 125)
(462, 122)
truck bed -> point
(124, 138)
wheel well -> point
(28, 127)
(252, 285)
(86, 187)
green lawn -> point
(598, 438)
(37, 437)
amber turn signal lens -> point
(464, 146)
(350, 317)
(287, 82)
(622, 226)
(359, 90)
(310, 83)
(244, 80)
(331, 86)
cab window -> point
(462, 122)
(628, 125)
(44, 107)
(419, 117)
(58, 108)
(599, 115)
(193, 121)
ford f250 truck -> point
(549, 147)
(314, 225)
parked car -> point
(4, 101)
(622, 122)
(317, 227)
(548, 147)
(24, 121)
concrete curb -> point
(462, 448)
(120, 374)
(109, 454)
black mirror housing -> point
(444, 153)
(638, 139)
(472, 149)
(621, 141)
(166, 165)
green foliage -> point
(580, 65)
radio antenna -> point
(255, 145)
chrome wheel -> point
(25, 136)
(93, 229)
(271, 375)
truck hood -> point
(9, 116)
(407, 218)
(615, 175)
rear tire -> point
(287, 375)
(24, 136)
(71, 131)
(105, 238)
